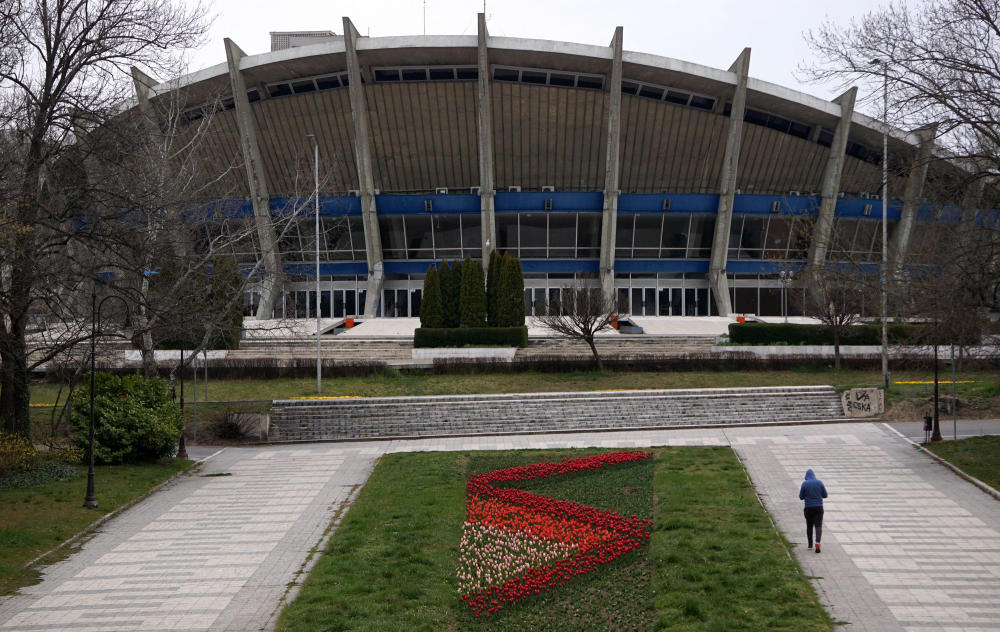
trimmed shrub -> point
(136, 419)
(796, 334)
(431, 314)
(473, 298)
(17, 454)
(475, 336)
(451, 293)
(510, 297)
(492, 288)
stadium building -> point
(579, 159)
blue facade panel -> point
(679, 202)
(560, 265)
(531, 201)
(661, 265)
(753, 204)
(855, 207)
(447, 204)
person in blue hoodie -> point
(813, 492)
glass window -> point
(647, 236)
(338, 237)
(533, 235)
(630, 88)
(301, 87)
(778, 233)
(467, 74)
(507, 232)
(279, 90)
(801, 237)
(328, 83)
(562, 234)
(702, 234)
(566, 81)
(386, 75)
(472, 235)
(419, 241)
(863, 240)
(503, 74)
(588, 235)
(442, 74)
(735, 230)
(357, 237)
(752, 241)
(414, 74)
(393, 237)
(680, 98)
(702, 103)
(844, 230)
(651, 93)
(675, 236)
(591, 83)
(447, 237)
(530, 76)
(623, 236)
(746, 300)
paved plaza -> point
(908, 545)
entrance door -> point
(696, 301)
(415, 296)
(643, 301)
(555, 295)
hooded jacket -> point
(812, 490)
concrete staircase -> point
(465, 415)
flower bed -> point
(517, 544)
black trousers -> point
(814, 518)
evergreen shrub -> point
(471, 336)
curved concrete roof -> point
(423, 134)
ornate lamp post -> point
(786, 279)
(90, 501)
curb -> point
(105, 518)
(972, 479)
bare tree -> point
(62, 61)
(834, 295)
(582, 311)
(941, 61)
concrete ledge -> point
(466, 353)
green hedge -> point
(795, 334)
(465, 336)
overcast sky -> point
(706, 32)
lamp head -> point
(993, 314)
(127, 329)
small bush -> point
(472, 305)
(475, 336)
(431, 314)
(136, 420)
(235, 424)
(46, 472)
(17, 454)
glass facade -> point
(664, 236)
(861, 239)
(550, 235)
(430, 237)
(763, 237)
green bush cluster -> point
(458, 295)
(796, 334)
(136, 420)
(470, 336)
(17, 454)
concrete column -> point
(487, 186)
(366, 179)
(253, 165)
(974, 196)
(900, 240)
(727, 186)
(823, 231)
(609, 220)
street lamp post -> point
(786, 280)
(885, 219)
(319, 302)
(90, 501)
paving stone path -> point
(908, 545)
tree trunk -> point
(597, 357)
(15, 397)
(149, 367)
(836, 348)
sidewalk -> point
(907, 546)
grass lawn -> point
(404, 383)
(977, 456)
(38, 518)
(714, 561)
